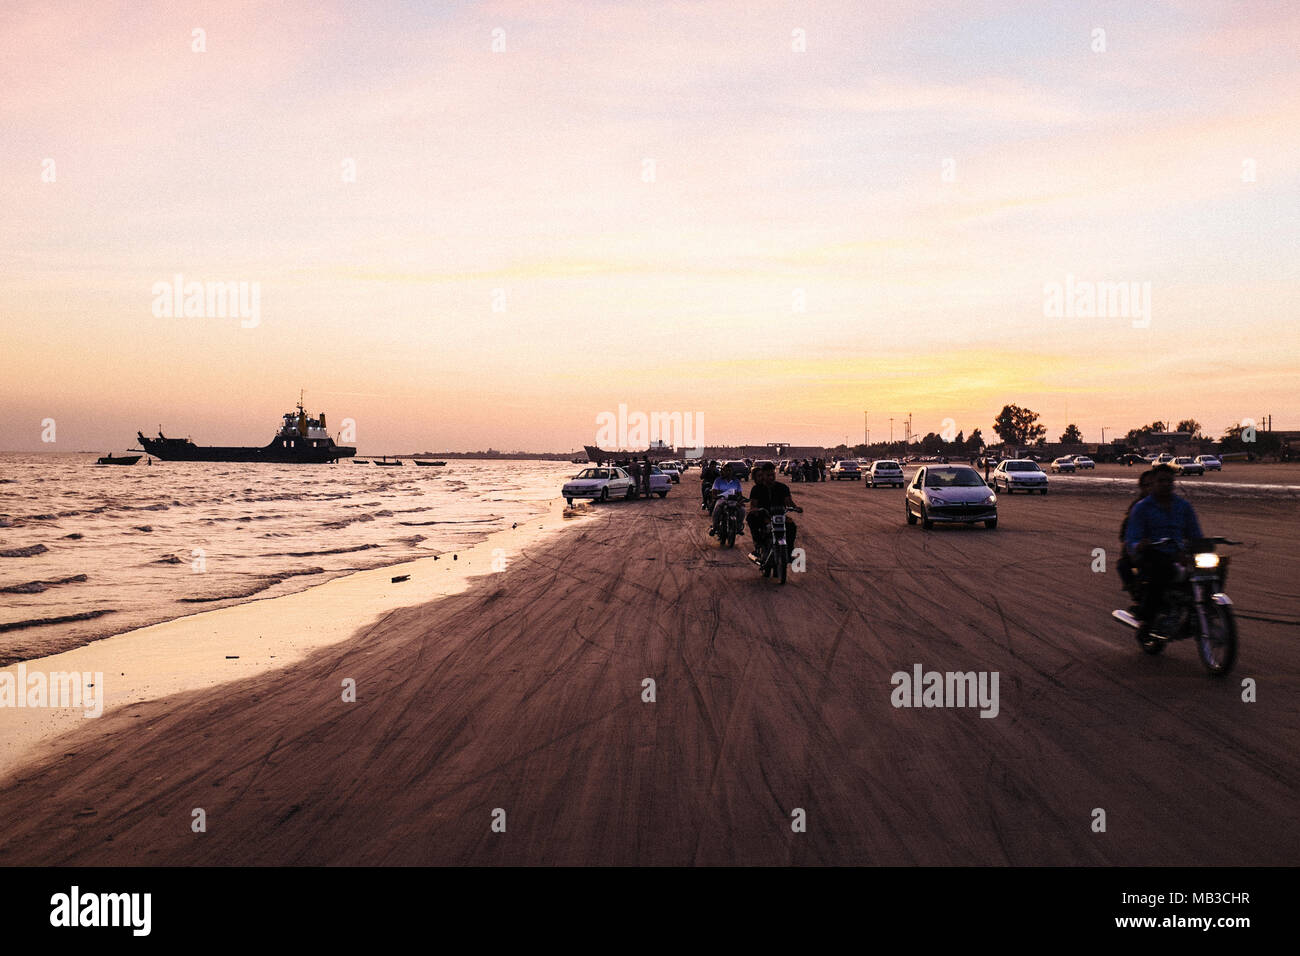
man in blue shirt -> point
(727, 485)
(1162, 514)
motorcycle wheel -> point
(781, 567)
(1218, 648)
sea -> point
(88, 551)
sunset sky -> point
(501, 271)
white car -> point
(600, 484)
(1063, 465)
(671, 469)
(1019, 474)
(885, 472)
(1209, 462)
(1083, 461)
(1187, 466)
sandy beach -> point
(524, 693)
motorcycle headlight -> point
(1208, 560)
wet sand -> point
(524, 693)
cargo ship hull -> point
(277, 452)
(301, 440)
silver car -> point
(1209, 462)
(950, 494)
(1063, 465)
(1019, 474)
(1187, 466)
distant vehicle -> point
(739, 468)
(783, 466)
(1209, 462)
(660, 484)
(671, 469)
(848, 469)
(1165, 459)
(1130, 459)
(1019, 474)
(599, 484)
(1187, 466)
(762, 461)
(1083, 461)
(885, 472)
(950, 494)
(1150, 459)
(1062, 465)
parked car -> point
(1083, 461)
(885, 472)
(848, 469)
(950, 494)
(1019, 474)
(1130, 459)
(599, 484)
(1209, 462)
(671, 469)
(739, 468)
(660, 483)
(1062, 465)
(1187, 466)
(1165, 459)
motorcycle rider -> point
(1127, 563)
(767, 493)
(708, 475)
(1162, 514)
(726, 486)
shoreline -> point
(238, 641)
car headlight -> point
(1207, 560)
(991, 500)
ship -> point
(299, 440)
(656, 452)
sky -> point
(486, 224)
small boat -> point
(429, 464)
(395, 463)
(119, 460)
(359, 461)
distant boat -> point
(429, 464)
(599, 455)
(300, 440)
(119, 460)
(359, 461)
(395, 463)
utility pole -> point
(866, 432)
(1103, 433)
(891, 431)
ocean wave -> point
(263, 583)
(62, 619)
(36, 587)
(27, 552)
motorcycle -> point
(771, 553)
(1194, 606)
(730, 524)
